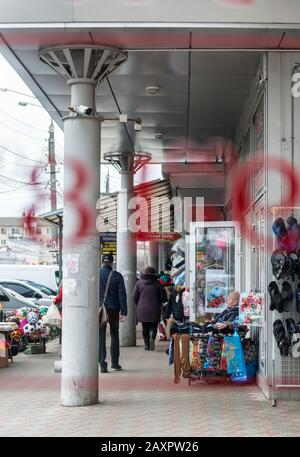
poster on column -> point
(216, 290)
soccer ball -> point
(32, 318)
(29, 329)
(39, 325)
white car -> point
(11, 301)
(46, 290)
(28, 291)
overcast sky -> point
(24, 148)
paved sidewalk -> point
(140, 401)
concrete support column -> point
(127, 256)
(83, 66)
(154, 254)
(80, 331)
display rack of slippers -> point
(178, 263)
(284, 291)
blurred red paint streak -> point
(240, 191)
(73, 197)
(29, 219)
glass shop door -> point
(215, 266)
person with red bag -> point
(58, 300)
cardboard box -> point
(3, 352)
(4, 361)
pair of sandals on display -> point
(286, 337)
(282, 301)
(287, 235)
(284, 265)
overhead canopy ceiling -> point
(70, 12)
(203, 55)
(201, 95)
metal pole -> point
(80, 330)
(163, 254)
(126, 258)
(107, 183)
(153, 254)
(52, 163)
(60, 253)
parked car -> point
(11, 301)
(28, 291)
(46, 290)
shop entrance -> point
(215, 265)
(224, 256)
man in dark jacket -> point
(116, 306)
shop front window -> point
(214, 269)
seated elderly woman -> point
(230, 313)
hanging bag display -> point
(223, 360)
(235, 357)
(161, 334)
(103, 316)
(214, 349)
(52, 318)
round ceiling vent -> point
(152, 90)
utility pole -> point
(52, 164)
(107, 182)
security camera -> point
(138, 124)
(137, 127)
(81, 109)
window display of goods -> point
(179, 247)
(26, 325)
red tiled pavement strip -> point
(142, 400)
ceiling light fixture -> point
(152, 90)
(159, 135)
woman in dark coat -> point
(148, 296)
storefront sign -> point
(157, 236)
(108, 242)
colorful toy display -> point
(28, 322)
